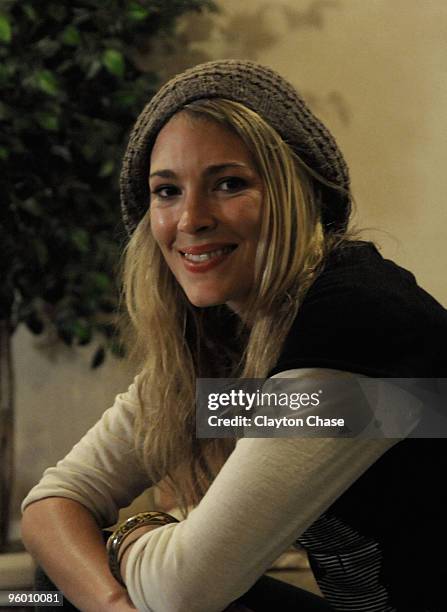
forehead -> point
(189, 139)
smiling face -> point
(206, 203)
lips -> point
(208, 255)
(201, 258)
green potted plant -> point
(72, 86)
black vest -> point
(381, 547)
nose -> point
(196, 215)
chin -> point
(205, 301)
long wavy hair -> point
(175, 342)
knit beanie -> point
(265, 92)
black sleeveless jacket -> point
(381, 547)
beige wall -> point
(375, 72)
(58, 397)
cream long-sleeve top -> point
(269, 491)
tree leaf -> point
(94, 68)
(5, 29)
(48, 121)
(30, 12)
(47, 47)
(62, 152)
(5, 112)
(41, 251)
(113, 61)
(101, 281)
(70, 112)
(118, 349)
(107, 168)
(71, 36)
(136, 12)
(125, 99)
(80, 238)
(6, 72)
(31, 205)
(82, 331)
(47, 82)
(58, 11)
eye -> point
(232, 183)
(164, 192)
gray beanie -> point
(258, 88)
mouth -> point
(207, 255)
(204, 258)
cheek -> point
(245, 216)
(163, 228)
(253, 212)
(249, 225)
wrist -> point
(127, 545)
(119, 601)
(102, 601)
(137, 523)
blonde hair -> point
(175, 342)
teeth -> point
(207, 256)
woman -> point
(240, 264)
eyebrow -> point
(209, 170)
